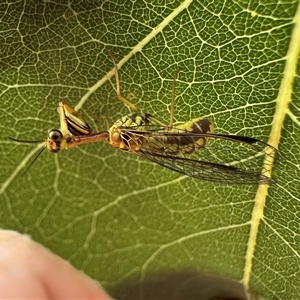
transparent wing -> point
(227, 159)
(212, 172)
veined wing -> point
(227, 159)
(207, 171)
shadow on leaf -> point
(180, 285)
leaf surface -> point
(113, 214)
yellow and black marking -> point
(180, 142)
(191, 148)
(76, 123)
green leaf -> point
(114, 215)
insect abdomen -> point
(179, 141)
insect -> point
(191, 148)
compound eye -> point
(55, 135)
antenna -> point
(30, 142)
